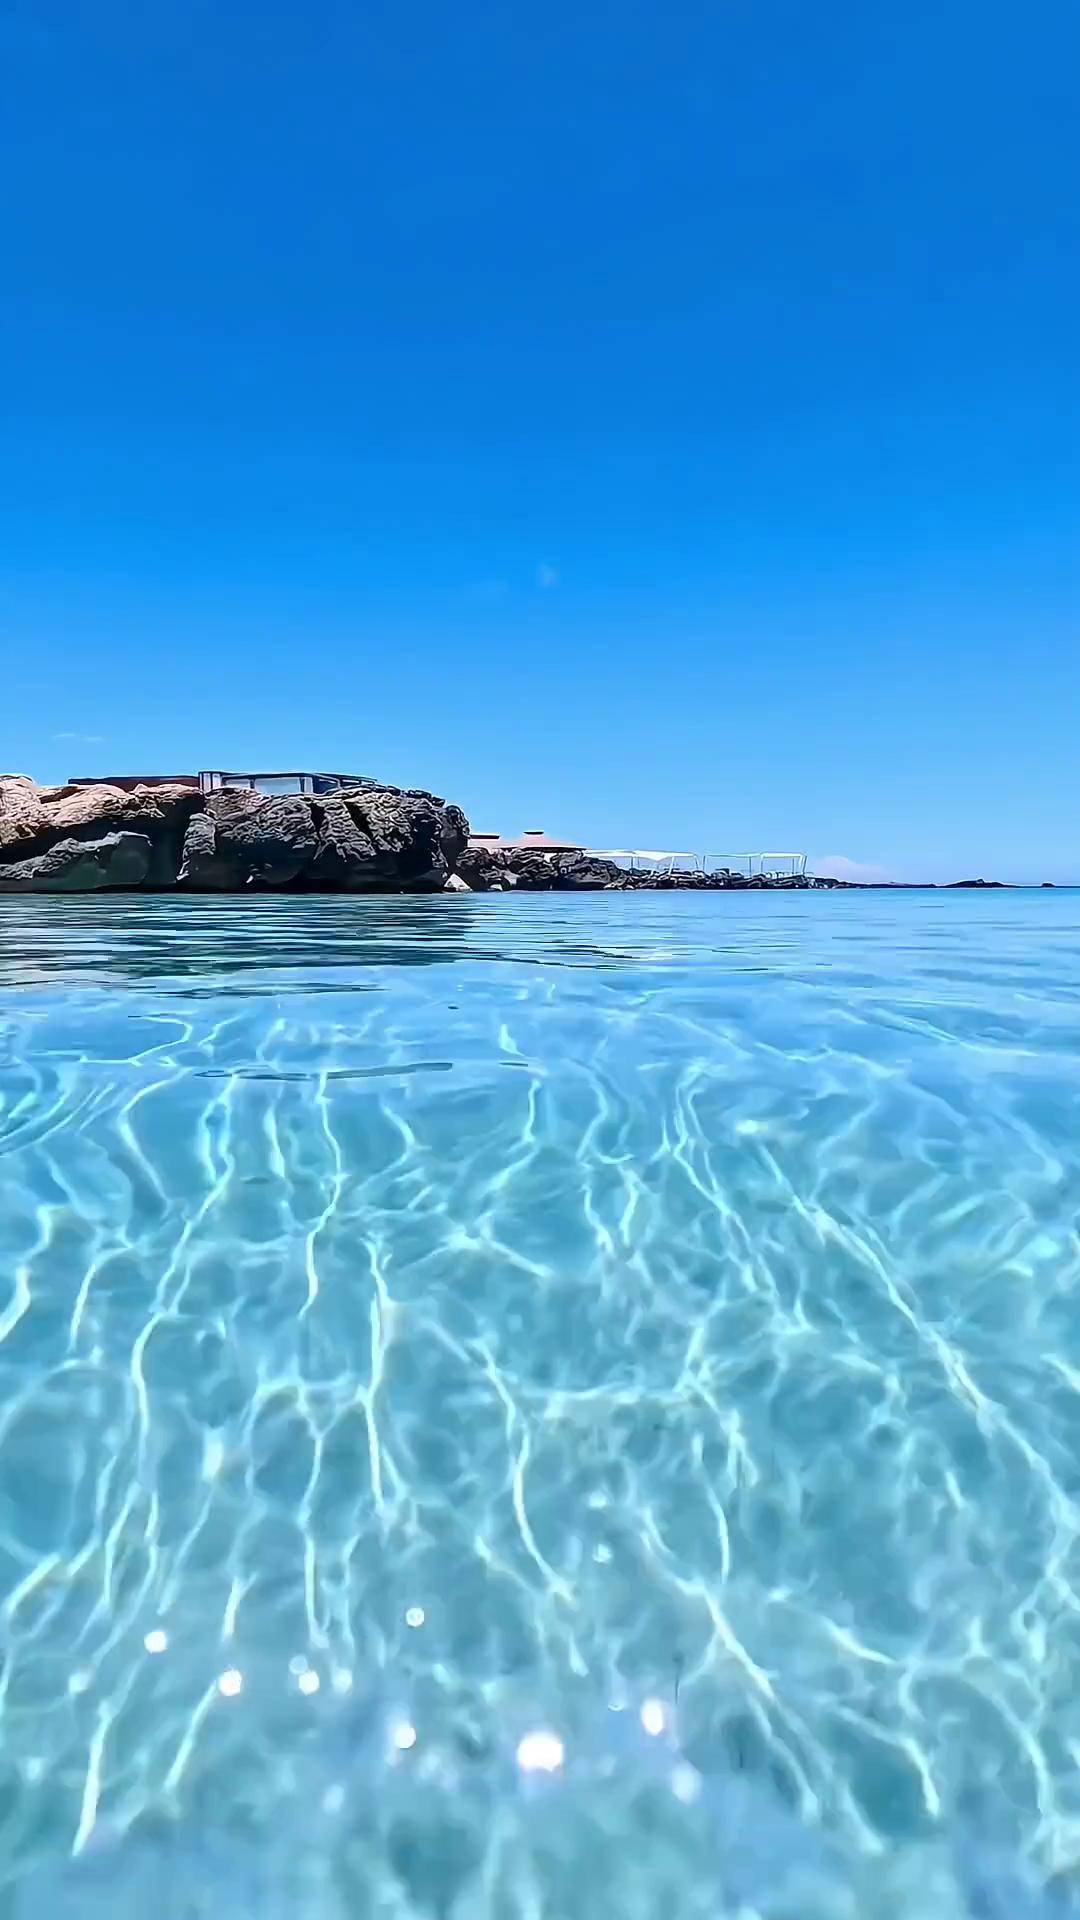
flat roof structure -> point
(533, 840)
(210, 780)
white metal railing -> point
(775, 865)
(653, 860)
(647, 860)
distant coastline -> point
(331, 833)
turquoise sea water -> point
(540, 1407)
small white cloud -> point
(83, 739)
(837, 866)
(547, 577)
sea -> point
(540, 1407)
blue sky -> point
(656, 423)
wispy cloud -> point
(837, 866)
(547, 577)
(82, 739)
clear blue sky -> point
(654, 422)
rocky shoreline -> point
(483, 870)
(366, 837)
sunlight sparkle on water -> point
(654, 1717)
(540, 1752)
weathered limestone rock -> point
(77, 866)
(199, 865)
(344, 856)
(415, 839)
(22, 815)
(371, 838)
(265, 841)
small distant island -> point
(220, 832)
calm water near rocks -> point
(545, 1406)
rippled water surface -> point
(543, 1407)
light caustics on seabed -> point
(555, 1406)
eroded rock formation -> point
(364, 839)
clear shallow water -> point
(668, 1307)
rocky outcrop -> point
(532, 872)
(80, 866)
(256, 841)
(414, 837)
(23, 819)
(485, 869)
(367, 838)
(344, 855)
(586, 873)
